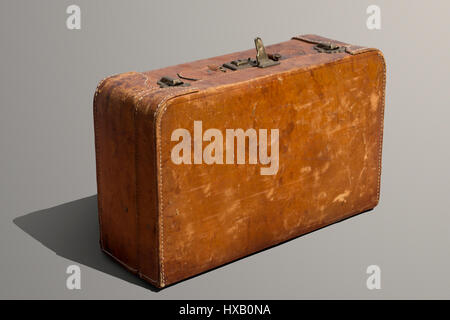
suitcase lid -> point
(301, 52)
(245, 65)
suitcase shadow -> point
(71, 230)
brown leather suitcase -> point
(203, 163)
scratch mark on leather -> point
(305, 169)
(146, 79)
(374, 101)
(342, 197)
(270, 193)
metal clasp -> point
(329, 47)
(166, 81)
(240, 64)
(263, 60)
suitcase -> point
(206, 162)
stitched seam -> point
(136, 157)
(163, 107)
(137, 96)
(381, 107)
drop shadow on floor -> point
(71, 231)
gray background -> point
(47, 166)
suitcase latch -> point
(166, 81)
(240, 64)
(263, 60)
(329, 47)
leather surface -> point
(168, 222)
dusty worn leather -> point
(167, 222)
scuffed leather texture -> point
(168, 222)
